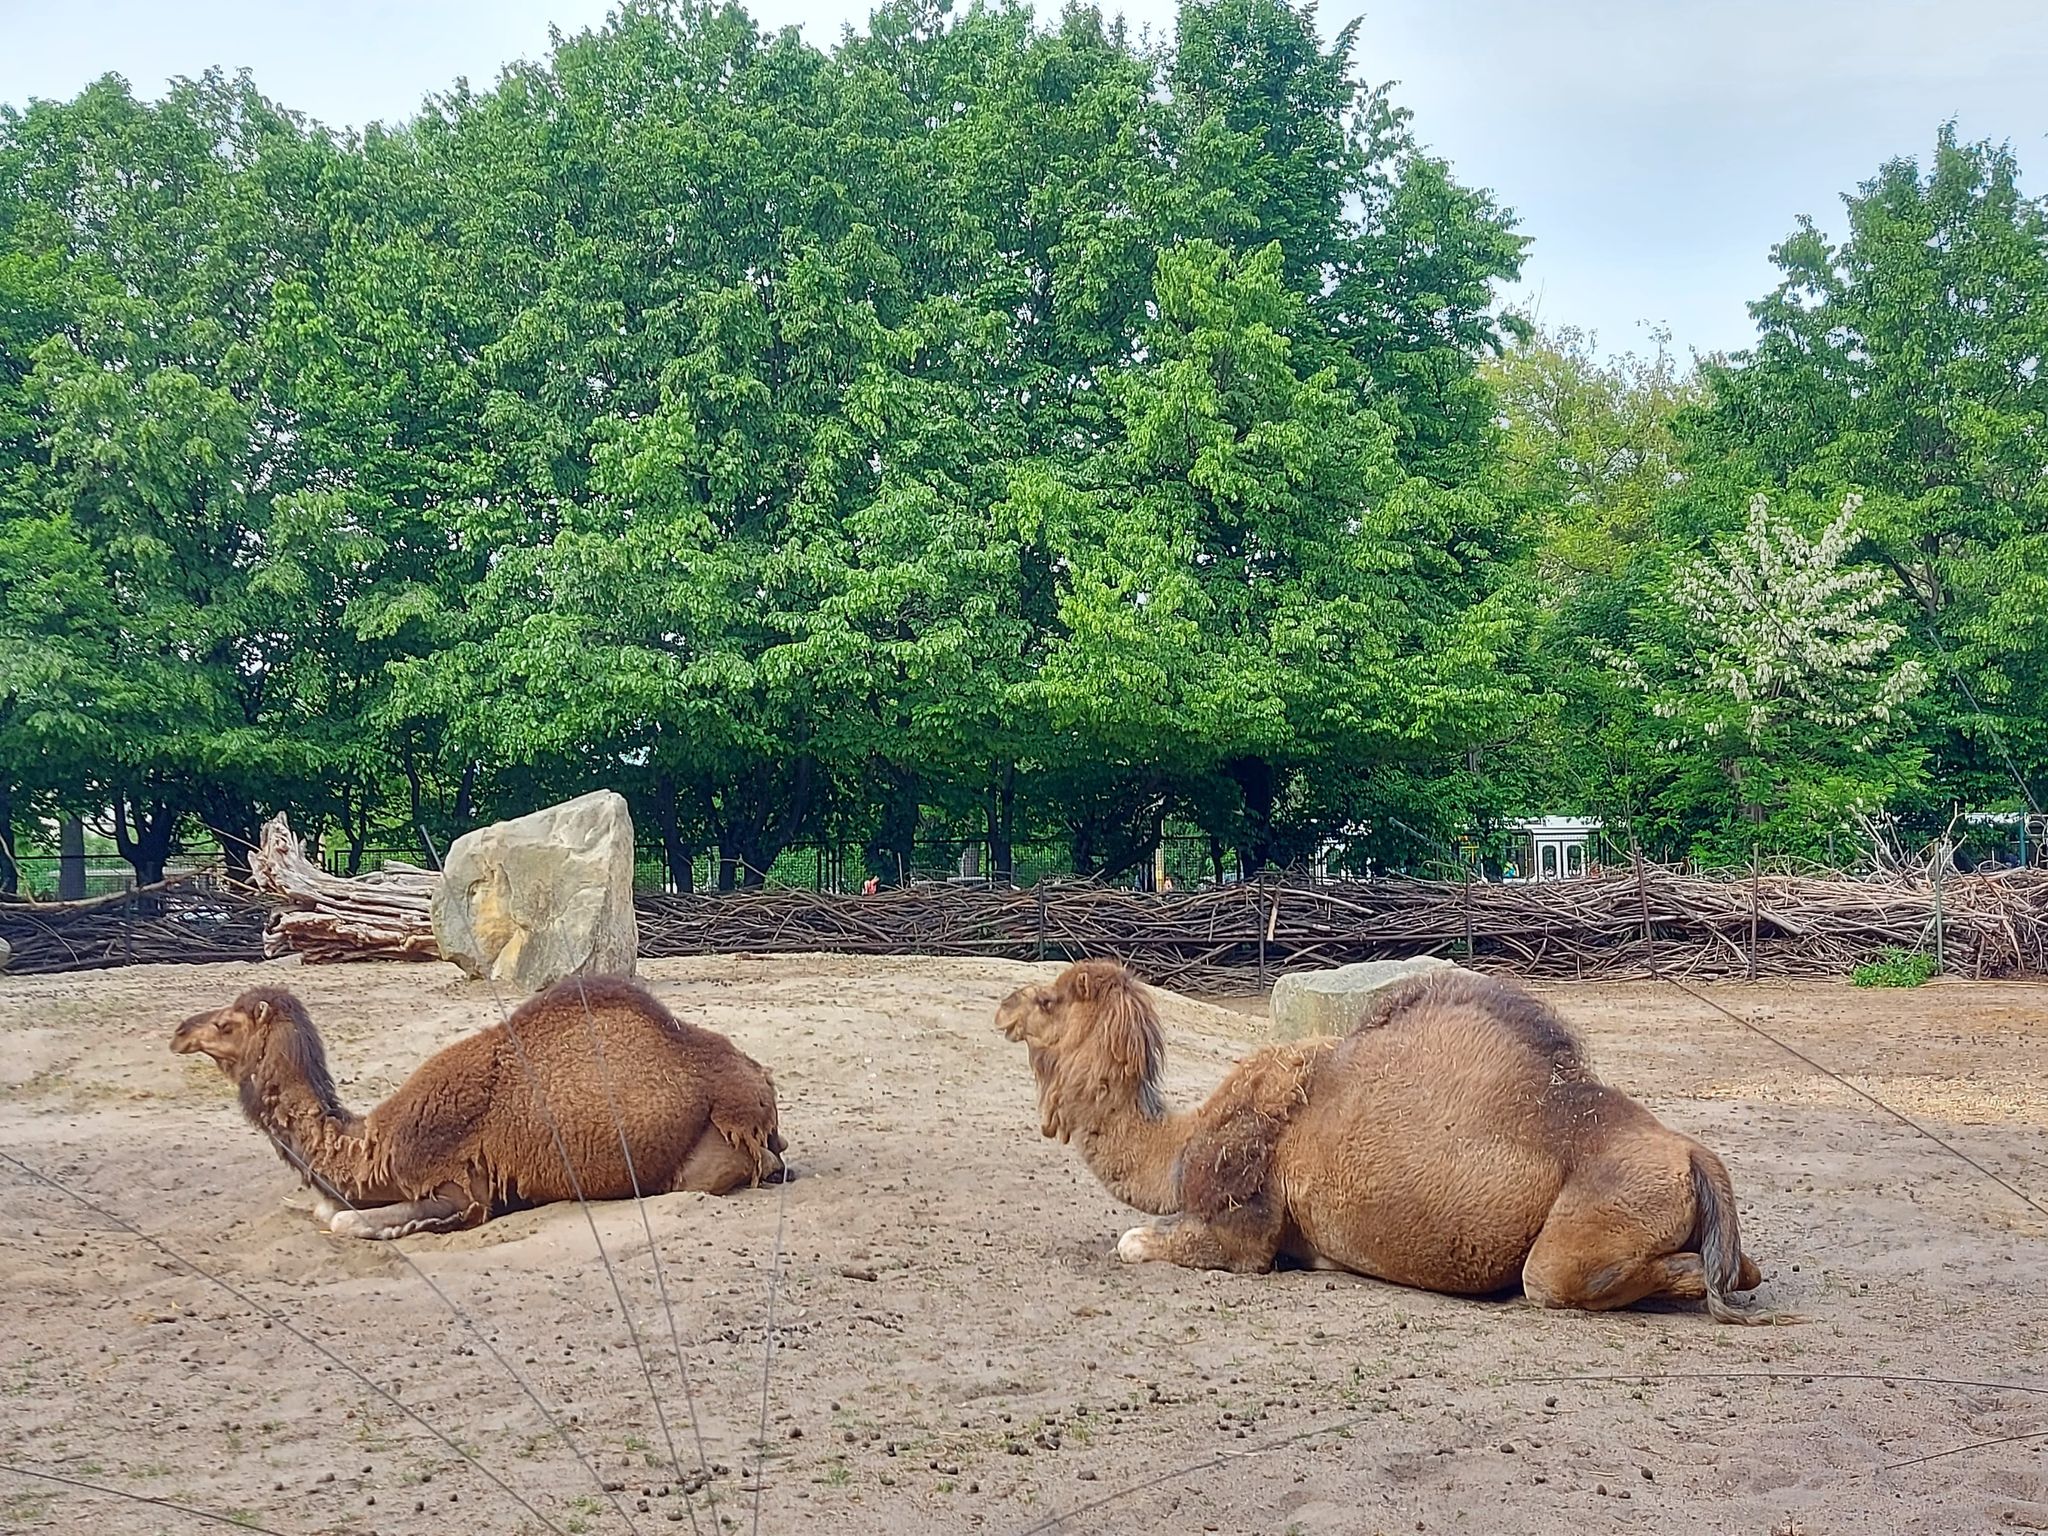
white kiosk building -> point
(1556, 847)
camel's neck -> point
(312, 1131)
(1136, 1157)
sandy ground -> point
(957, 1348)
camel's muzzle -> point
(1011, 1013)
(185, 1039)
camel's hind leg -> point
(715, 1166)
(1622, 1231)
(1599, 1254)
(381, 1223)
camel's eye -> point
(1045, 1002)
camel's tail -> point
(1720, 1243)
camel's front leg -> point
(1246, 1247)
(381, 1223)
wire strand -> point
(660, 1283)
(768, 1349)
(239, 1522)
(1870, 1098)
(288, 1325)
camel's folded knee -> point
(1141, 1245)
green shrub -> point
(1894, 968)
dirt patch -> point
(957, 1348)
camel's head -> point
(260, 1024)
(1094, 1040)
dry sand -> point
(957, 1348)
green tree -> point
(170, 222)
(1769, 661)
(1264, 588)
(1904, 364)
(1590, 462)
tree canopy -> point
(981, 429)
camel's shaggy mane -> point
(1113, 1042)
(1227, 1163)
(290, 1043)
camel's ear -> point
(1080, 984)
(260, 1014)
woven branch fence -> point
(180, 923)
(1231, 937)
(1227, 938)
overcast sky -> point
(1655, 149)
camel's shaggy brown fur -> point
(1454, 1141)
(1227, 1163)
(544, 1106)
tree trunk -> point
(1084, 850)
(682, 864)
(233, 822)
(889, 854)
(148, 844)
(412, 786)
(1256, 783)
(754, 872)
(70, 859)
(10, 878)
(680, 856)
(759, 818)
(357, 829)
(1002, 825)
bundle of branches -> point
(1618, 924)
(380, 916)
(175, 922)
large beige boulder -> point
(1335, 1002)
(530, 901)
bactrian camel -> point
(497, 1121)
(1455, 1141)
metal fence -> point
(37, 874)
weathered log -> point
(385, 915)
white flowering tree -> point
(1772, 661)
